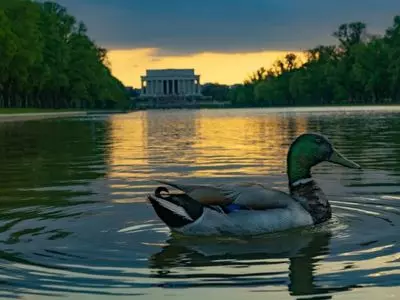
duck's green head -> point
(309, 150)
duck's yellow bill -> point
(339, 159)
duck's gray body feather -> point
(248, 222)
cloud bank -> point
(194, 26)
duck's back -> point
(248, 222)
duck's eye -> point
(318, 141)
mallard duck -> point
(251, 208)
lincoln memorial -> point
(167, 82)
(170, 88)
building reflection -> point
(171, 136)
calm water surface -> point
(74, 222)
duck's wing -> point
(256, 196)
(250, 195)
(205, 194)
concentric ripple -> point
(74, 221)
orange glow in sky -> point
(225, 68)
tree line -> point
(361, 69)
(47, 60)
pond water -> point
(74, 220)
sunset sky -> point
(224, 40)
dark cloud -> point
(188, 26)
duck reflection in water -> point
(303, 248)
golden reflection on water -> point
(256, 144)
(128, 146)
(200, 143)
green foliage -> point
(48, 61)
(361, 68)
(217, 91)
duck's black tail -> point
(175, 210)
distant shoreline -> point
(10, 115)
(28, 116)
(14, 115)
(330, 107)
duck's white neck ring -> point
(301, 181)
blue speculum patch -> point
(233, 207)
